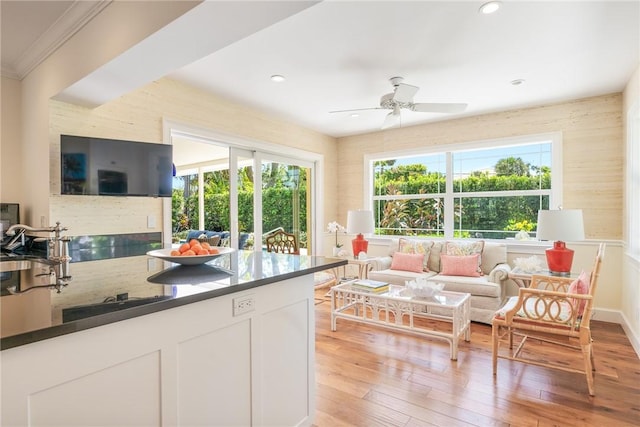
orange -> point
(194, 242)
(202, 251)
(205, 245)
(214, 251)
(188, 253)
(184, 247)
(175, 252)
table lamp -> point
(359, 222)
(560, 225)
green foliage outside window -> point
(279, 188)
(491, 217)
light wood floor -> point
(369, 376)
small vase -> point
(336, 251)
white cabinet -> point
(196, 364)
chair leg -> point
(495, 332)
(510, 338)
(587, 355)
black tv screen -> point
(110, 167)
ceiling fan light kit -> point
(402, 98)
(392, 118)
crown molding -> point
(9, 73)
(74, 18)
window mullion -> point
(503, 193)
(449, 216)
(409, 196)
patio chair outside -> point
(282, 242)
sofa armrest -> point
(380, 263)
(499, 273)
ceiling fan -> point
(402, 97)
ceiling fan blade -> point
(357, 109)
(391, 120)
(404, 92)
(426, 107)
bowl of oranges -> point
(193, 252)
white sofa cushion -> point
(397, 277)
(473, 285)
(493, 255)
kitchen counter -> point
(111, 290)
(231, 342)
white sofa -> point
(487, 291)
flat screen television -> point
(110, 167)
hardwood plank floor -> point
(370, 376)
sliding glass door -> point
(286, 198)
(241, 202)
(217, 189)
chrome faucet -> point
(58, 257)
(11, 230)
(19, 230)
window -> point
(488, 189)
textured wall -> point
(630, 263)
(10, 147)
(592, 152)
(138, 116)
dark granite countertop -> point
(110, 290)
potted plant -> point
(336, 228)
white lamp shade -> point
(565, 225)
(360, 222)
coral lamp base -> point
(359, 244)
(559, 258)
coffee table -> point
(398, 308)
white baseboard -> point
(616, 316)
(608, 315)
(633, 337)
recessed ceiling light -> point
(355, 115)
(490, 7)
(277, 78)
(517, 82)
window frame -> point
(298, 156)
(632, 226)
(555, 195)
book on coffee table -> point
(370, 285)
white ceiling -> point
(340, 54)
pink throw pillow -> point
(579, 286)
(460, 265)
(464, 248)
(407, 246)
(407, 262)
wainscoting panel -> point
(285, 344)
(124, 394)
(214, 378)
